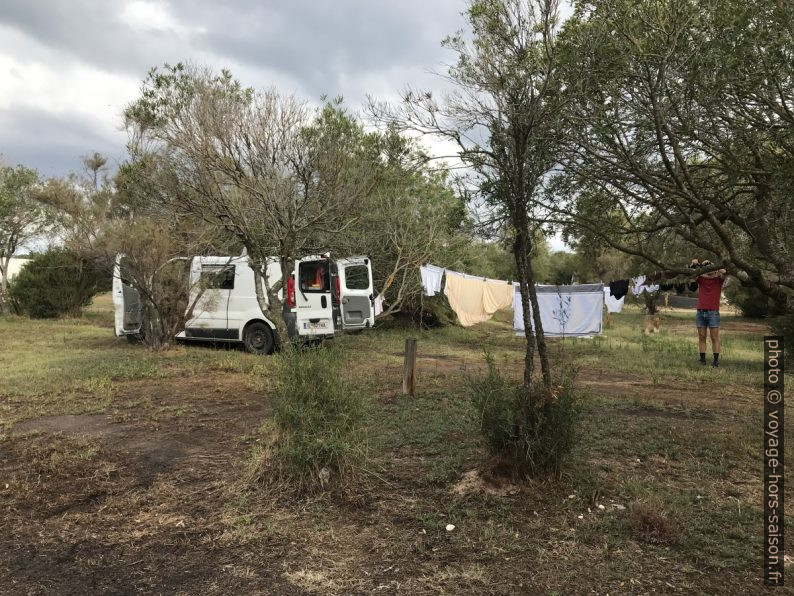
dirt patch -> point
(659, 413)
(694, 399)
(473, 482)
(146, 455)
(725, 325)
(756, 328)
(83, 424)
(137, 495)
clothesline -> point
(564, 310)
(475, 298)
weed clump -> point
(314, 441)
(649, 523)
(529, 440)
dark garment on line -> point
(680, 288)
(665, 287)
(619, 288)
(693, 285)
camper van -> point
(324, 297)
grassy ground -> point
(120, 470)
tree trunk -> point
(4, 302)
(520, 253)
(650, 302)
(269, 301)
(539, 337)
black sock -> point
(716, 356)
(703, 356)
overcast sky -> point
(68, 67)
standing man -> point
(708, 310)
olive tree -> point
(501, 114)
(680, 125)
(278, 176)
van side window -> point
(314, 276)
(357, 277)
(217, 277)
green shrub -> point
(749, 300)
(316, 439)
(532, 441)
(55, 283)
(429, 311)
(495, 402)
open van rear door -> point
(356, 292)
(126, 302)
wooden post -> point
(409, 368)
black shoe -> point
(715, 364)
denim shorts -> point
(707, 318)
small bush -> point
(495, 402)
(533, 440)
(316, 437)
(649, 523)
(749, 300)
(55, 283)
(430, 312)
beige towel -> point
(465, 295)
(497, 295)
(475, 300)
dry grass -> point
(649, 523)
(141, 487)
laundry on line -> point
(431, 279)
(614, 305)
(574, 310)
(476, 299)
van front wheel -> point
(258, 338)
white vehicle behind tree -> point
(323, 298)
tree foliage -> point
(23, 217)
(680, 129)
(277, 176)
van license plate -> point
(319, 325)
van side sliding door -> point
(210, 313)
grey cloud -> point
(53, 144)
(91, 32)
(311, 47)
(329, 46)
(317, 43)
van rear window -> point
(314, 276)
(357, 277)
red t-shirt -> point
(709, 290)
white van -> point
(324, 297)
